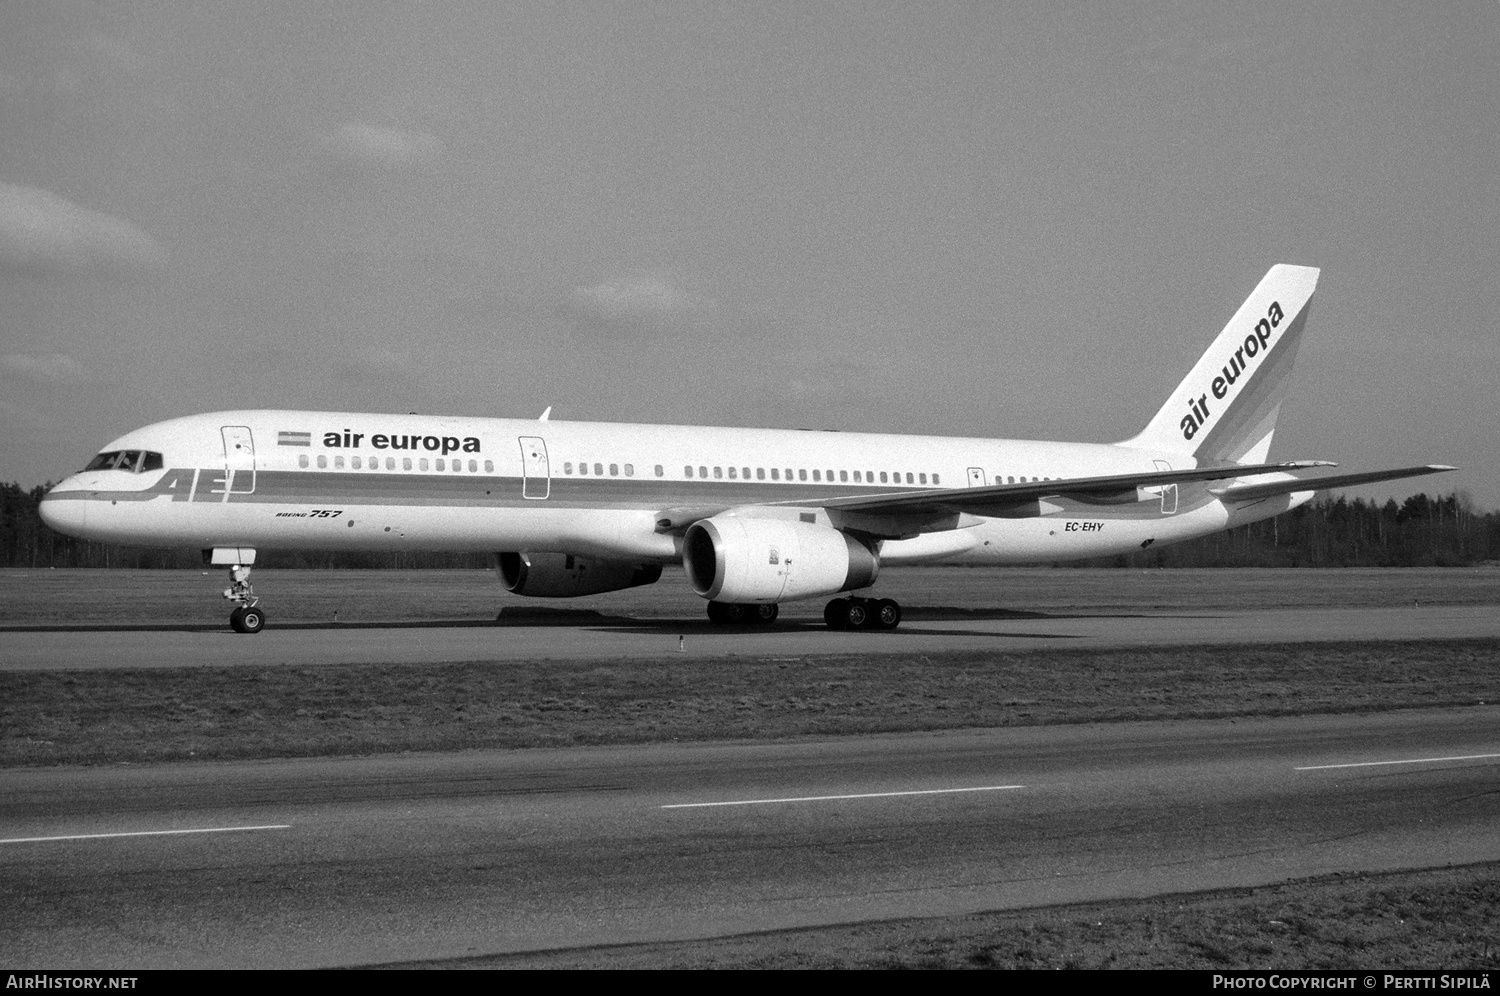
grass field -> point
(162, 714)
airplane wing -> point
(1007, 500)
(1254, 492)
(998, 499)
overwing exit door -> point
(1168, 492)
(536, 473)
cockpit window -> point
(135, 461)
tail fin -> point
(1225, 409)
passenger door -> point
(976, 477)
(536, 472)
(239, 462)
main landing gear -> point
(862, 613)
(732, 614)
(248, 617)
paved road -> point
(623, 638)
(433, 856)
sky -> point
(1022, 220)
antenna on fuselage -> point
(544, 414)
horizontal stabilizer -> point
(1253, 492)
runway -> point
(606, 638)
(368, 860)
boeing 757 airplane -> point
(755, 516)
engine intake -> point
(732, 559)
(562, 575)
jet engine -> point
(738, 560)
(562, 575)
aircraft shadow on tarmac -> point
(612, 623)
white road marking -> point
(141, 833)
(829, 798)
(1415, 760)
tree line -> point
(1329, 531)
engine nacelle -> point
(732, 559)
(562, 575)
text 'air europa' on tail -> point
(1225, 409)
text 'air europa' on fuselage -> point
(1256, 342)
(347, 440)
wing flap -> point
(1268, 489)
(1006, 499)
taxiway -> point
(55, 648)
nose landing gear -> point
(248, 617)
(862, 613)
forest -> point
(1330, 531)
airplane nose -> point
(64, 511)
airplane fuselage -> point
(351, 481)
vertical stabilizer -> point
(1225, 409)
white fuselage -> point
(331, 480)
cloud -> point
(51, 369)
(366, 143)
(41, 232)
(636, 299)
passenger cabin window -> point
(630, 470)
(718, 473)
(355, 462)
(567, 467)
(760, 473)
(801, 475)
(489, 466)
(659, 471)
(614, 470)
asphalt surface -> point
(369, 860)
(151, 647)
